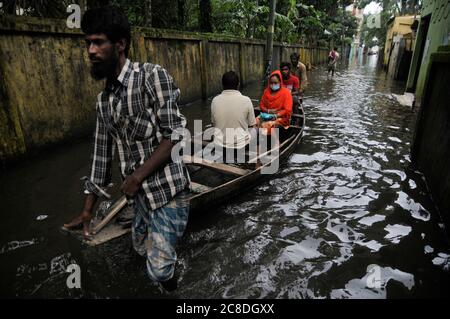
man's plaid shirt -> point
(133, 114)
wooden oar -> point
(115, 208)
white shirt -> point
(232, 113)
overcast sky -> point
(372, 8)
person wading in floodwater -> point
(299, 70)
(333, 56)
(137, 116)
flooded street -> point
(346, 217)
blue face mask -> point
(275, 87)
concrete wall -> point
(399, 26)
(435, 14)
(47, 95)
(182, 60)
(431, 146)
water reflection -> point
(346, 200)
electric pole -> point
(269, 44)
(343, 31)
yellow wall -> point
(399, 26)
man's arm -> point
(287, 110)
(213, 120)
(89, 203)
(100, 175)
(303, 77)
(159, 158)
(251, 114)
(85, 216)
(295, 87)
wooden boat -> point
(211, 183)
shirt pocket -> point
(140, 126)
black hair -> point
(109, 20)
(295, 55)
(285, 64)
(230, 80)
(335, 48)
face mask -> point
(275, 87)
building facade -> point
(433, 32)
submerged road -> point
(346, 217)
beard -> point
(105, 68)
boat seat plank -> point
(223, 168)
(199, 188)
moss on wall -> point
(182, 61)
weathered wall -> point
(400, 26)
(437, 12)
(182, 60)
(47, 95)
(431, 146)
(253, 66)
(220, 58)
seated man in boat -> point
(276, 105)
(143, 132)
(232, 114)
(292, 83)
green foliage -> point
(239, 18)
(37, 8)
(297, 21)
(134, 10)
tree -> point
(181, 13)
(297, 21)
(390, 8)
(205, 16)
(148, 13)
(38, 8)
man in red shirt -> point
(290, 81)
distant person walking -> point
(333, 56)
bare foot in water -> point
(82, 220)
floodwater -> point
(346, 217)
